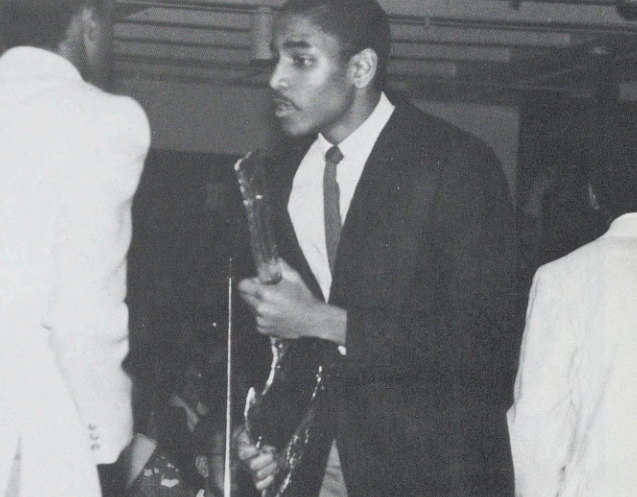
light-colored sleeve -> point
(542, 419)
(87, 318)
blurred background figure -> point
(192, 419)
(71, 156)
(180, 450)
(573, 428)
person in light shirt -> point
(72, 155)
(573, 425)
(414, 304)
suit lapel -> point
(373, 192)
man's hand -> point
(261, 462)
(290, 310)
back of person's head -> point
(356, 24)
(40, 23)
(614, 179)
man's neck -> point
(361, 109)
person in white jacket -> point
(71, 156)
(573, 425)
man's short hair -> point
(39, 23)
(614, 178)
(356, 24)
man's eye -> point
(302, 61)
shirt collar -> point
(367, 133)
(37, 62)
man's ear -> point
(362, 67)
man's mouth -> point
(284, 106)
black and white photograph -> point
(318, 248)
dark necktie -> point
(331, 204)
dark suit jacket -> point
(426, 271)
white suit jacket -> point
(573, 425)
(71, 157)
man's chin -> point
(295, 130)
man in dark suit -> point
(418, 293)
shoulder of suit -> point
(416, 123)
(119, 116)
(575, 264)
(423, 137)
(421, 142)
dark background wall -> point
(187, 224)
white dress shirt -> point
(573, 424)
(306, 199)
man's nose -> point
(278, 79)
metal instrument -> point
(283, 414)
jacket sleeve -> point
(542, 419)
(87, 318)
